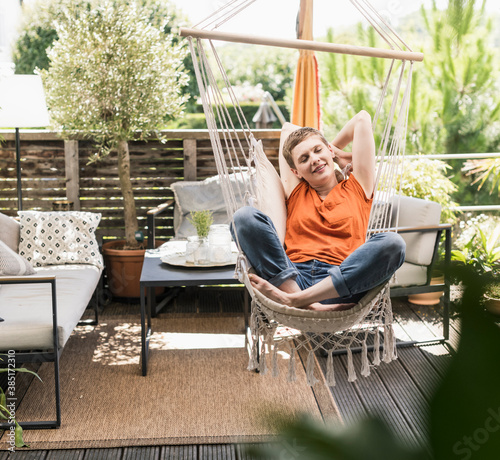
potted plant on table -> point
(197, 246)
(113, 77)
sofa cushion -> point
(414, 212)
(410, 275)
(9, 232)
(55, 238)
(12, 264)
(203, 195)
(27, 309)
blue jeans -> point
(372, 264)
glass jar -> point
(219, 244)
(191, 247)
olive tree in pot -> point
(113, 77)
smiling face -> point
(313, 161)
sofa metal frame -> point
(51, 355)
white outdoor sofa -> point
(40, 305)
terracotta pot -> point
(492, 305)
(123, 269)
(428, 298)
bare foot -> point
(270, 291)
(286, 298)
(330, 307)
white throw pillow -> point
(270, 192)
(12, 264)
(9, 232)
(57, 238)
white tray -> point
(180, 261)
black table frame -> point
(155, 273)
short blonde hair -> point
(295, 138)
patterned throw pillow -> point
(12, 264)
(55, 238)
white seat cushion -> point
(204, 195)
(410, 275)
(27, 309)
(414, 212)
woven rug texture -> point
(197, 390)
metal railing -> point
(462, 156)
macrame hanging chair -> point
(275, 327)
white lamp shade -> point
(22, 102)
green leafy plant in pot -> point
(113, 77)
(479, 246)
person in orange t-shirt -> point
(326, 263)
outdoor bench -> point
(41, 305)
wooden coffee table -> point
(155, 274)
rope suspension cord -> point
(241, 154)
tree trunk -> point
(130, 215)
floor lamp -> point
(22, 105)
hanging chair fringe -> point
(376, 348)
(365, 364)
(253, 358)
(311, 379)
(330, 374)
(276, 371)
(263, 362)
(351, 373)
(292, 375)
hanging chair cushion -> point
(270, 192)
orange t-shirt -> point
(326, 230)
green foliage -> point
(479, 245)
(486, 170)
(198, 120)
(201, 220)
(38, 31)
(426, 179)
(112, 75)
(272, 69)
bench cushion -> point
(203, 195)
(27, 309)
(414, 212)
(410, 275)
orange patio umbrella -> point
(306, 105)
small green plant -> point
(201, 221)
(6, 413)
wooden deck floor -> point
(398, 392)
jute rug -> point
(197, 389)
